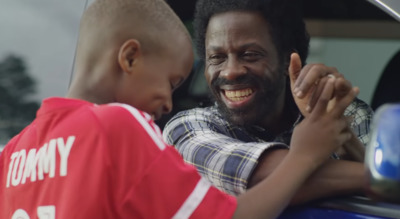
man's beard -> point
(262, 107)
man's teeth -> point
(238, 95)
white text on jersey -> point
(23, 165)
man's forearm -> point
(269, 197)
(354, 150)
(334, 178)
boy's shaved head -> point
(111, 22)
(115, 37)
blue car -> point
(382, 159)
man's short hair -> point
(284, 17)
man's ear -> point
(128, 54)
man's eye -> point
(251, 56)
(216, 59)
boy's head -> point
(131, 51)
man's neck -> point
(283, 120)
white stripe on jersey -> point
(156, 137)
(202, 187)
(194, 200)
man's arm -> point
(206, 141)
(334, 178)
(360, 115)
(229, 163)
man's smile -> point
(235, 98)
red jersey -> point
(81, 160)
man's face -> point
(243, 68)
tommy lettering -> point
(36, 163)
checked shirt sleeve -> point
(206, 141)
(361, 114)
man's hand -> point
(307, 83)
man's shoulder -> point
(209, 115)
(201, 120)
(211, 111)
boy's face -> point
(157, 75)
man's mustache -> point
(244, 79)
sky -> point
(44, 33)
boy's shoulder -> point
(125, 125)
(123, 117)
(120, 113)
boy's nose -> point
(167, 107)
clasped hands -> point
(308, 83)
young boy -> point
(98, 154)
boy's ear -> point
(128, 54)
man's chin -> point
(237, 117)
(237, 120)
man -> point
(98, 154)
(248, 50)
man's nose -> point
(233, 69)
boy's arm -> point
(268, 198)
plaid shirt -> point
(227, 154)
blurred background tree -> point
(17, 109)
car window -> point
(361, 59)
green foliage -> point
(16, 86)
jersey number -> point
(43, 212)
